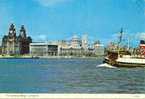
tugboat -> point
(123, 58)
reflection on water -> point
(68, 76)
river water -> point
(68, 76)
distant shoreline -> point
(48, 57)
(67, 57)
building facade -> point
(71, 51)
(99, 49)
(75, 47)
(43, 49)
(75, 42)
(84, 42)
(13, 44)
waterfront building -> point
(43, 49)
(85, 42)
(24, 41)
(75, 42)
(79, 47)
(72, 48)
(63, 44)
(90, 52)
(38, 49)
(76, 47)
(13, 44)
(0, 50)
(99, 49)
(71, 51)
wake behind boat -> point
(106, 65)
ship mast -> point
(128, 47)
(120, 40)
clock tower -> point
(23, 32)
(12, 31)
(15, 45)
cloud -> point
(41, 37)
(48, 3)
(140, 36)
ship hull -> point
(128, 64)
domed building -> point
(13, 44)
(75, 42)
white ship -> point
(124, 58)
(126, 61)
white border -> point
(71, 96)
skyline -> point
(60, 19)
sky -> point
(60, 19)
